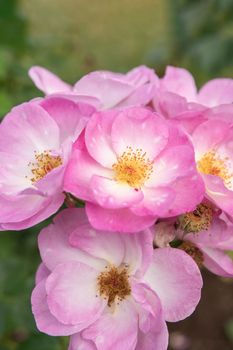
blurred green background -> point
(71, 38)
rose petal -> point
(110, 88)
(45, 321)
(78, 343)
(218, 262)
(54, 242)
(111, 194)
(216, 92)
(176, 279)
(69, 303)
(98, 138)
(145, 131)
(71, 117)
(79, 172)
(172, 163)
(100, 244)
(121, 220)
(179, 81)
(138, 251)
(28, 128)
(115, 330)
(47, 81)
(41, 273)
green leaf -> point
(229, 330)
(40, 342)
(5, 103)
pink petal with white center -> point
(172, 163)
(138, 251)
(45, 321)
(98, 138)
(145, 131)
(207, 135)
(225, 148)
(216, 92)
(41, 273)
(217, 262)
(78, 343)
(110, 194)
(121, 220)
(28, 128)
(180, 82)
(14, 173)
(47, 81)
(54, 242)
(100, 244)
(79, 172)
(16, 176)
(109, 88)
(71, 294)
(52, 183)
(115, 329)
(157, 201)
(176, 279)
(71, 117)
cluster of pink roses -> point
(152, 159)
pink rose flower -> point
(180, 82)
(103, 89)
(213, 144)
(177, 98)
(205, 237)
(35, 143)
(132, 166)
(110, 290)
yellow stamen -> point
(44, 163)
(133, 168)
(114, 283)
(212, 164)
(197, 220)
(193, 251)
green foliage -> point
(203, 36)
(12, 26)
(229, 330)
(39, 342)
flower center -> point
(212, 164)
(197, 220)
(193, 251)
(114, 283)
(133, 168)
(44, 163)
